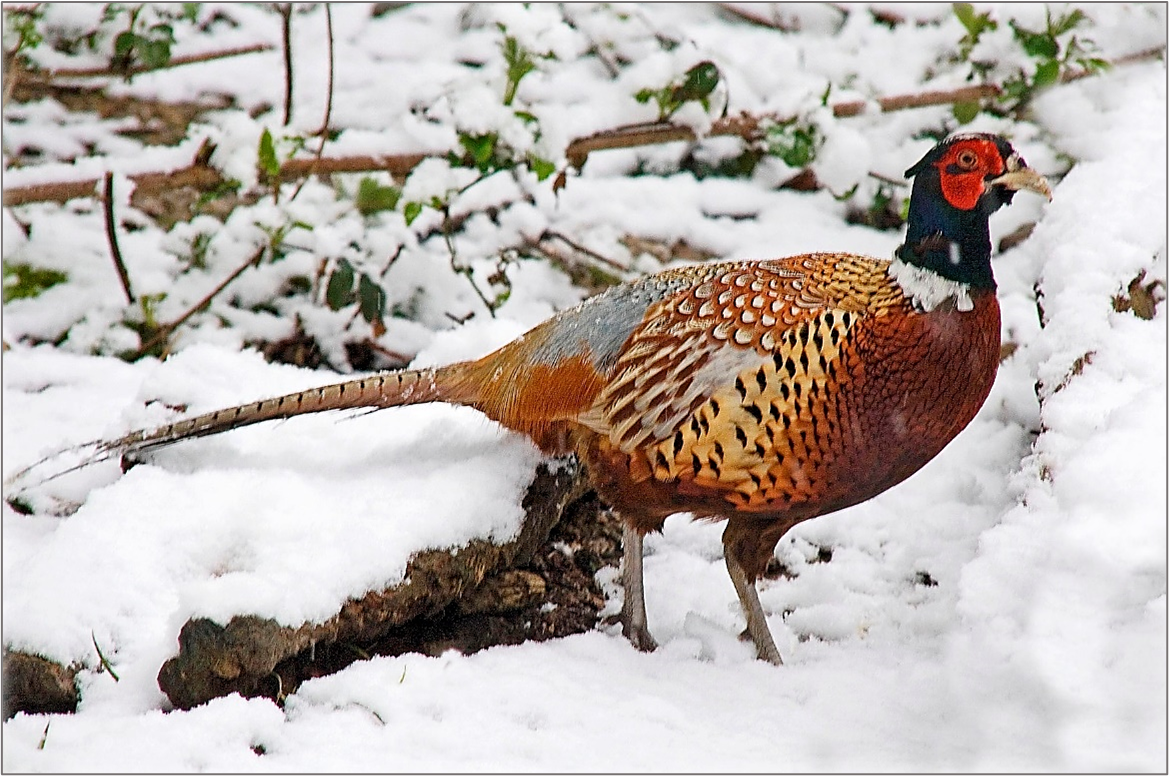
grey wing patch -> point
(603, 323)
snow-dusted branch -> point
(747, 126)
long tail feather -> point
(390, 389)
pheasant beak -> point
(1019, 176)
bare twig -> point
(11, 74)
(112, 238)
(45, 735)
(285, 11)
(165, 330)
(392, 355)
(595, 48)
(92, 72)
(104, 663)
(582, 249)
(749, 127)
(397, 165)
(1128, 59)
(324, 130)
(919, 100)
(752, 16)
(449, 239)
(202, 176)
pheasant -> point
(761, 393)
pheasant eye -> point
(967, 160)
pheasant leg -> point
(633, 621)
(756, 621)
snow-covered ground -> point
(1041, 645)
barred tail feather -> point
(389, 389)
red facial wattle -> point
(964, 169)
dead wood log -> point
(475, 584)
(242, 656)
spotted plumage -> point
(762, 393)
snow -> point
(1003, 609)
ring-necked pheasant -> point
(763, 393)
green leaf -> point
(481, 148)
(975, 23)
(519, 63)
(266, 157)
(372, 197)
(966, 15)
(1041, 46)
(795, 144)
(1036, 44)
(700, 81)
(154, 53)
(965, 112)
(372, 298)
(644, 95)
(412, 211)
(124, 43)
(541, 167)
(339, 292)
(22, 281)
(1016, 86)
(1046, 74)
(1066, 23)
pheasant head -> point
(956, 187)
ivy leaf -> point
(339, 292)
(372, 298)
